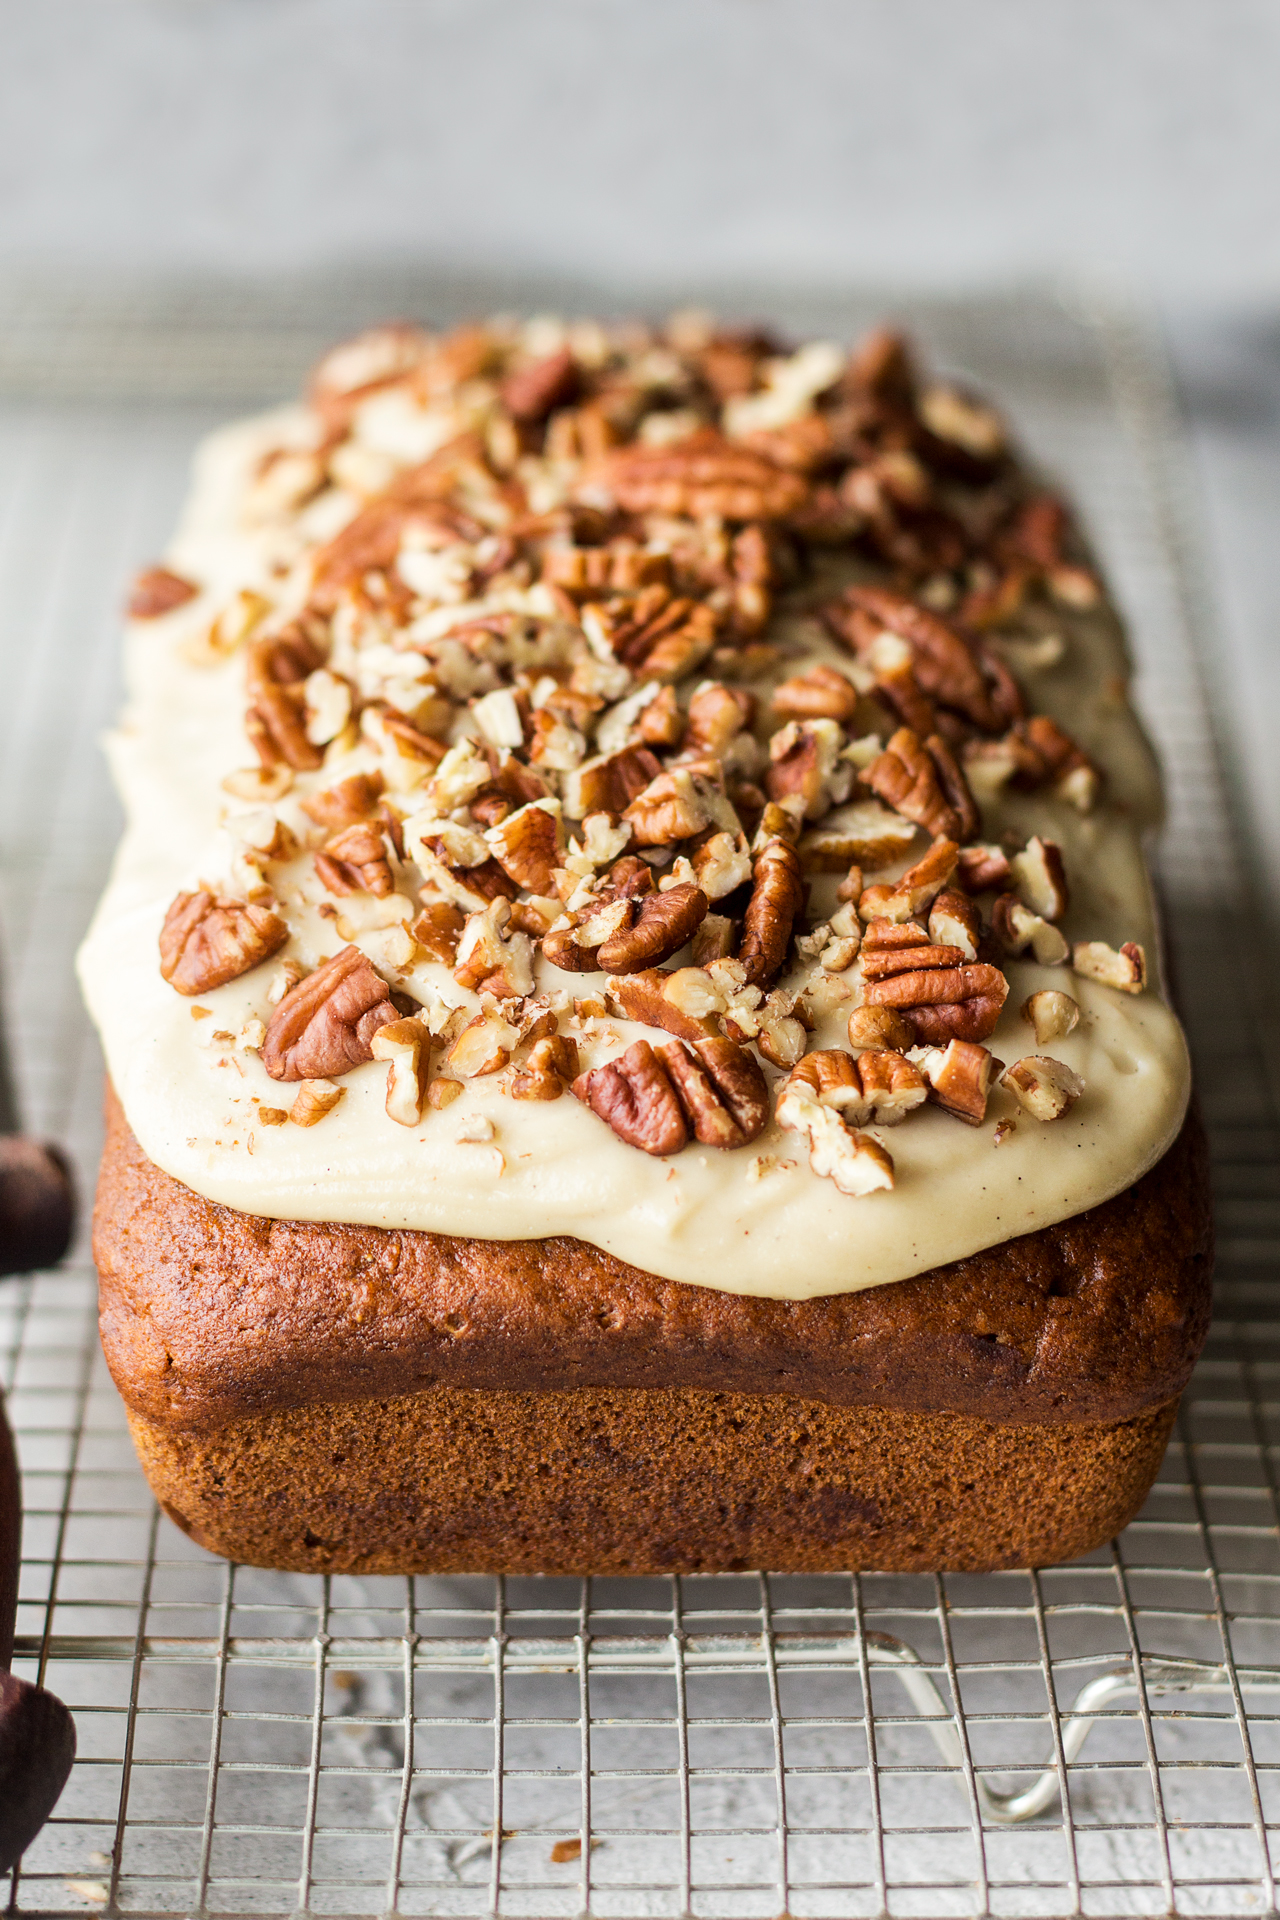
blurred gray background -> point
(640, 150)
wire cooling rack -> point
(1100, 1738)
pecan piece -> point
(352, 799)
(673, 807)
(777, 896)
(528, 846)
(716, 715)
(1046, 1087)
(954, 785)
(881, 961)
(822, 693)
(1050, 1014)
(325, 1025)
(406, 1046)
(660, 926)
(983, 868)
(721, 1089)
(530, 393)
(1126, 969)
(355, 860)
(552, 1064)
(156, 591)
(206, 941)
(701, 475)
(945, 1003)
(959, 1076)
(879, 1027)
(855, 1162)
(1014, 928)
(805, 761)
(610, 782)
(947, 668)
(683, 1002)
(954, 921)
(491, 958)
(438, 928)
(634, 1096)
(276, 724)
(914, 778)
(1040, 879)
(313, 1100)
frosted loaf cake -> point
(634, 861)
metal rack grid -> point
(1102, 1738)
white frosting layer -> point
(756, 1221)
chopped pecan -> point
(528, 845)
(983, 868)
(1047, 1088)
(959, 1076)
(722, 865)
(879, 1027)
(1126, 969)
(355, 860)
(661, 923)
(634, 1096)
(156, 591)
(703, 474)
(821, 693)
(855, 1162)
(777, 896)
(715, 938)
(683, 1002)
(661, 723)
(610, 782)
(1074, 776)
(924, 881)
(716, 714)
(805, 761)
(954, 921)
(1039, 878)
(313, 1100)
(325, 1025)
(1050, 1014)
(863, 832)
(551, 1065)
(438, 928)
(484, 1046)
(352, 799)
(720, 1087)
(491, 958)
(890, 1088)
(530, 393)
(1014, 928)
(206, 941)
(405, 1045)
(954, 785)
(673, 807)
(945, 1003)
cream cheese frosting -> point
(755, 1221)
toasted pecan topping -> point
(156, 591)
(947, 667)
(634, 1096)
(352, 799)
(438, 928)
(406, 1046)
(959, 1075)
(954, 921)
(716, 714)
(683, 1002)
(983, 868)
(777, 896)
(552, 1064)
(313, 1100)
(906, 778)
(325, 1025)
(879, 1027)
(855, 1162)
(610, 782)
(355, 860)
(807, 766)
(1125, 969)
(1050, 1014)
(528, 844)
(821, 693)
(1014, 928)
(1040, 879)
(206, 941)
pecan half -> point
(206, 941)
(702, 475)
(634, 1096)
(721, 1089)
(822, 693)
(355, 860)
(947, 668)
(660, 925)
(777, 896)
(325, 1025)
(156, 591)
(906, 777)
(954, 785)
(945, 1003)
(884, 961)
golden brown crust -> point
(209, 1315)
(609, 1480)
